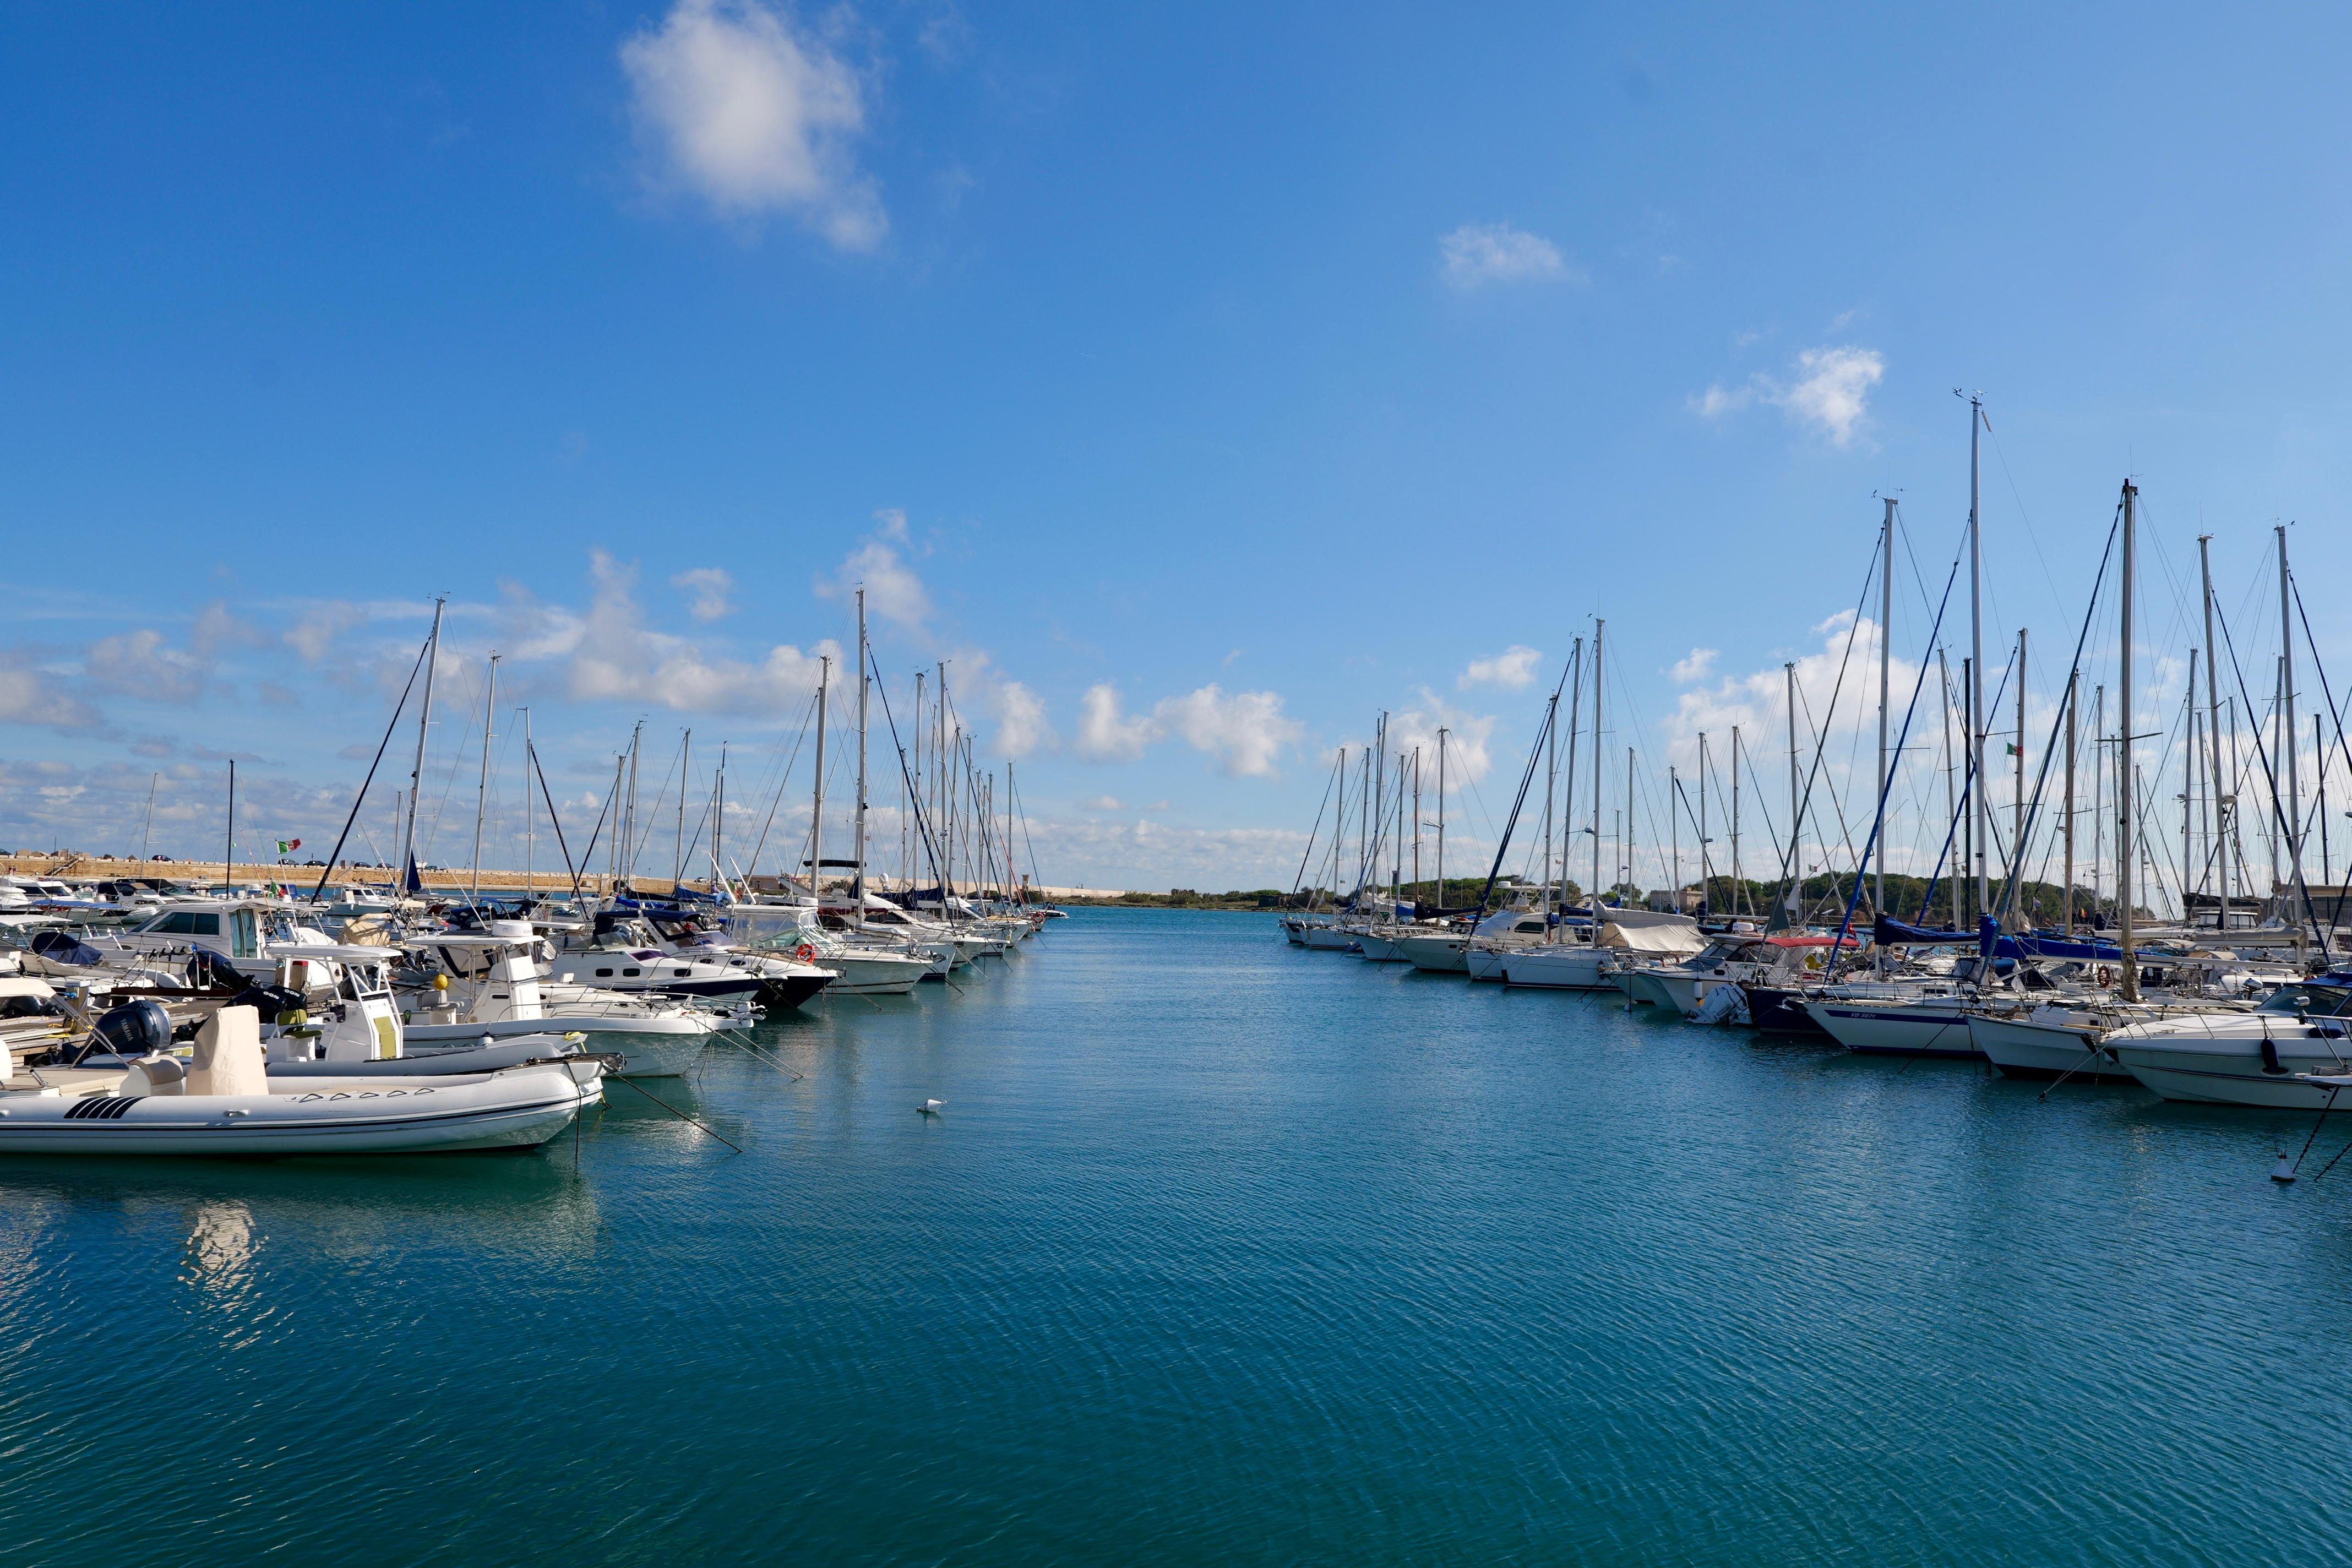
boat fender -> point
(2271, 1058)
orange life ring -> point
(806, 952)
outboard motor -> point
(272, 1002)
(132, 1029)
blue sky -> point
(1201, 381)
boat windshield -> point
(2310, 999)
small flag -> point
(2013, 749)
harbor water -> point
(1221, 1251)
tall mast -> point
(2099, 800)
(1738, 889)
(2073, 692)
(816, 805)
(1552, 777)
(530, 813)
(1673, 838)
(718, 823)
(424, 721)
(1441, 819)
(1885, 642)
(2124, 839)
(1632, 879)
(2287, 743)
(1416, 829)
(946, 805)
(1706, 901)
(857, 876)
(684, 772)
(153, 780)
(1951, 793)
(482, 790)
(1599, 625)
(1796, 806)
(636, 745)
(2220, 789)
(1982, 817)
(2016, 807)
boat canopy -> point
(1661, 939)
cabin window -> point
(604, 975)
(682, 973)
(628, 971)
(205, 925)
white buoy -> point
(2283, 1172)
(933, 1107)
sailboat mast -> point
(529, 812)
(1796, 806)
(1552, 777)
(1738, 889)
(2017, 806)
(2125, 840)
(1416, 827)
(857, 875)
(1885, 643)
(1981, 816)
(719, 823)
(1598, 627)
(482, 790)
(2223, 798)
(1635, 883)
(1706, 882)
(1951, 794)
(2287, 742)
(1441, 819)
(424, 721)
(2074, 692)
(816, 805)
(629, 860)
(1674, 837)
(684, 772)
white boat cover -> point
(1677, 940)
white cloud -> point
(315, 633)
(138, 664)
(892, 590)
(30, 696)
(1698, 665)
(1477, 254)
(1103, 734)
(1467, 735)
(755, 116)
(1513, 667)
(1829, 392)
(617, 659)
(1245, 731)
(218, 628)
(709, 585)
(1833, 388)
(1102, 803)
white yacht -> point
(246, 932)
(2261, 1058)
(1573, 960)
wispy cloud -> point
(1478, 254)
(1514, 667)
(1698, 666)
(1828, 392)
(617, 659)
(709, 587)
(1108, 735)
(755, 115)
(1245, 731)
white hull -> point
(1438, 954)
(2022, 1049)
(1328, 939)
(519, 1109)
(2224, 1071)
(1559, 967)
(1380, 949)
(1875, 1029)
(1481, 962)
(652, 1047)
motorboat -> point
(490, 984)
(624, 954)
(240, 931)
(1732, 959)
(221, 1100)
(2275, 1056)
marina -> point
(1201, 1301)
